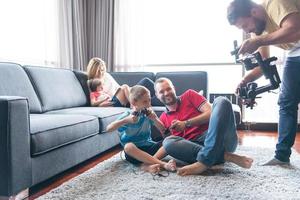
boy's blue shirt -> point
(138, 133)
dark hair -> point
(239, 8)
(93, 84)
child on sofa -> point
(135, 133)
(100, 98)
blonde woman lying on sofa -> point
(119, 94)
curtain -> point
(101, 30)
(72, 34)
(129, 35)
(86, 31)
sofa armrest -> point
(15, 160)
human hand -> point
(249, 46)
(243, 83)
(152, 115)
(131, 119)
(178, 125)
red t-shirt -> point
(188, 108)
(98, 95)
(94, 95)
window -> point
(177, 35)
(28, 32)
(188, 31)
(156, 32)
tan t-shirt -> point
(277, 10)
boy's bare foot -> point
(151, 168)
(242, 161)
(170, 166)
(192, 169)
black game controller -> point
(144, 111)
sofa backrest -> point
(196, 80)
(56, 88)
(15, 82)
(83, 78)
(131, 78)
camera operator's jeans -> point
(288, 102)
(209, 148)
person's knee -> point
(124, 87)
(169, 142)
(222, 102)
(287, 103)
(129, 147)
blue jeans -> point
(209, 149)
(288, 102)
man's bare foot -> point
(151, 168)
(274, 162)
(192, 169)
(170, 166)
(242, 161)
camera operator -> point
(274, 22)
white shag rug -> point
(115, 179)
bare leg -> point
(160, 154)
(241, 161)
(151, 168)
(146, 158)
(195, 168)
(198, 167)
(121, 96)
(126, 90)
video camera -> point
(249, 92)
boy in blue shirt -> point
(135, 133)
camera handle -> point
(269, 71)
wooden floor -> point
(246, 138)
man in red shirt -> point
(200, 134)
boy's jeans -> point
(220, 137)
(288, 102)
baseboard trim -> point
(260, 126)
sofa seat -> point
(49, 131)
(106, 115)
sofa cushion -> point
(51, 131)
(56, 88)
(83, 78)
(131, 78)
(15, 82)
(106, 115)
(183, 81)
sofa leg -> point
(20, 196)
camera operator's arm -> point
(288, 32)
(256, 72)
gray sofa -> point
(47, 125)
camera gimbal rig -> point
(249, 92)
